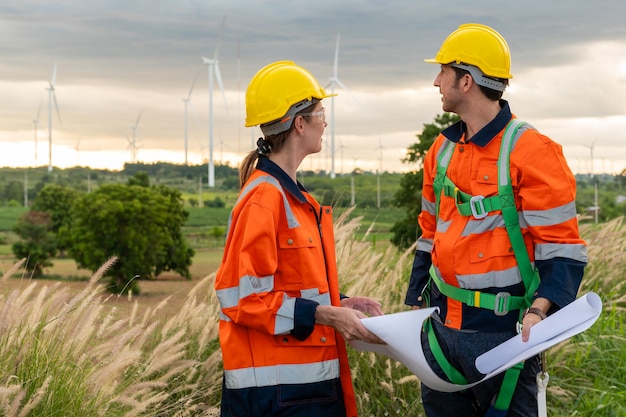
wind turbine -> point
(132, 143)
(214, 69)
(352, 189)
(188, 104)
(380, 171)
(36, 128)
(334, 80)
(596, 208)
(77, 151)
(52, 97)
(341, 148)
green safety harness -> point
(501, 303)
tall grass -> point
(72, 354)
(64, 354)
(588, 371)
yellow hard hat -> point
(476, 45)
(277, 92)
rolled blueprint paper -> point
(401, 332)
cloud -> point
(117, 58)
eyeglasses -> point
(321, 114)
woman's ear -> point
(298, 125)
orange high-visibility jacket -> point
(476, 253)
(279, 263)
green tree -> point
(406, 230)
(176, 254)
(140, 178)
(57, 201)
(141, 225)
(37, 244)
(13, 191)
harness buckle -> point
(478, 207)
(500, 307)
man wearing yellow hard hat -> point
(500, 248)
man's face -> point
(448, 85)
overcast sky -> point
(117, 60)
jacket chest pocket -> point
(296, 239)
(301, 262)
(486, 179)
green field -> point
(205, 231)
(9, 215)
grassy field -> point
(70, 349)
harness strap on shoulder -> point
(529, 274)
(442, 166)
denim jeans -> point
(462, 348)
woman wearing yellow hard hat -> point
(283, 321)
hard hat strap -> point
(479, 77)
(284, 123)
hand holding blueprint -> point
(401, 332)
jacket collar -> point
(295, 189)
(487, 133)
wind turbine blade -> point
(139, 117)
(53, 80)
(218, 76)
(343, 86)
(38, 112)
(336, 65)
(192, 84)
(340, 84)
(56, 105)
(219, 40)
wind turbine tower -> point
(214, 70)
(379, 171)
(596, 207)
(334, 80)
(188, 104)
(36, 128)
(132, 143)
(52, 97)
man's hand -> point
(542, 305)
(364, 304)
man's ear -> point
(467, 83)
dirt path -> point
(153, 292)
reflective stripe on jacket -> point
(476, 253)
(279, 263)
